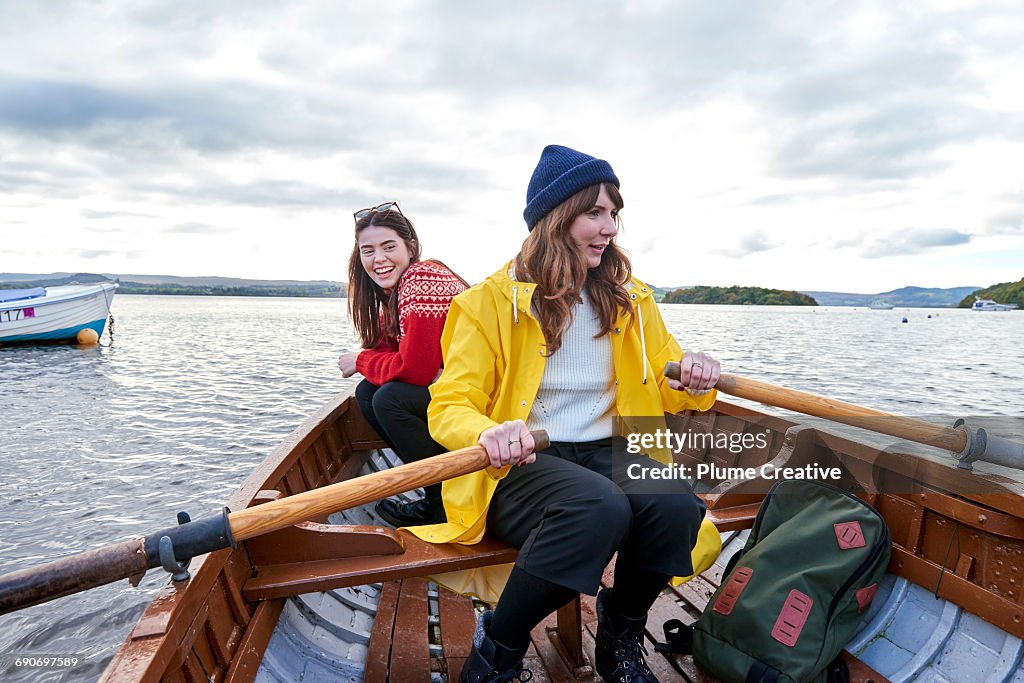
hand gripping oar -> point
(967, 443)
(132, 557)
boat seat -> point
(317, 557)
(312, 556)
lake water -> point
(192, 392)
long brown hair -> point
(374, 312)
(551, 260)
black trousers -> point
(572, 509)
(398, 412)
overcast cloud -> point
(780, 144)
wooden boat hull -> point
(59, 315)
(218, 624)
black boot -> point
(490, 661)
(619, 648)
(417, 513)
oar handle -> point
(839, 411)
(351, 493)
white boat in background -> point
(54, 313)
(990, 305)
(880, 305)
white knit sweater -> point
(576, 399)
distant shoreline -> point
(174, 285)
(313, 292)
(183, 286)
(745, 305)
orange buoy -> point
(88, 337)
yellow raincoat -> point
(493, 361)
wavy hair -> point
(550, 259)
(374, 312)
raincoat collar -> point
(522, 290)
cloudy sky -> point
(851, 146)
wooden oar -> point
(838, 411)
(132, 557)
(967, 443)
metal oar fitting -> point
(988, 448)
(178, 569)
(975, 448)
(174, 548)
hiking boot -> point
(619, 646)
(491, 662)
(417, 513)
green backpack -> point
(795, 594)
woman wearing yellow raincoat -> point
(563, 338)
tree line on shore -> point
(313, 290)
(754, 296)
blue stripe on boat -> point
(65, 333)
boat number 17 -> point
(16, 314)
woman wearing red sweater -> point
(399, 305)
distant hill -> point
(757, 296)
(28, 280)
(172, 284)
(913, 297)
(1003, 293)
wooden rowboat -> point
(345, 598)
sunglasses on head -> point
(386, 207)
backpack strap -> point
(759, 672)
(678, 641)
(837, 670)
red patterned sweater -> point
(425, 292)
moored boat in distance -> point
(990, 305)
(880, 305)
(54, 314)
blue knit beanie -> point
(561, 173)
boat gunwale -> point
(939, 466)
